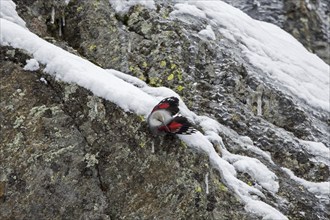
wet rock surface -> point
(79, 156)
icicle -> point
(95, 108)
(152, 147)
(129, 45)
(259, 105)
(207, 183)
(259, 100)
(63, 20)
(60, 29)
(52, 15)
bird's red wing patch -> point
(174, 126)
(171, 104)
(164, 105)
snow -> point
(320, 152)
(257, 170)
(283, 60)
(267, 212)
(31, 65)
(207, 33)
(122, 6)
(187, 9)
(42, 79)
(8, 12)
(320, 189)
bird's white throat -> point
(159, 118)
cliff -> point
(72, 148)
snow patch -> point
(320, 189)
(266, 211)
(187, 9)
(31, 65)
(257, 170)
(207, 33)
(42, 79)
(320, 152)
(8, 12)
(122, 6)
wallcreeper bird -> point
(165, 118)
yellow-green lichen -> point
(142, 77)
(222, 187)
(179, 88)
(144, 64)
(170, 77)
(162, 63)
(131, 68)
(137, 72)
(142, 144)
(183, 144)
(153, 81)
(141, 117)
(198, 189)
(179, 75)
(92, 47)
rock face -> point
(67, 154)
